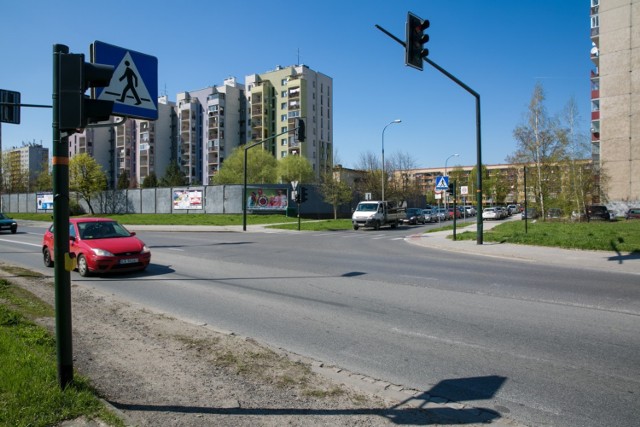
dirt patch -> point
(160, 371)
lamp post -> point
(385, 128)
(446, 194)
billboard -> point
(267, 199)
(187, 199)
(44, 201)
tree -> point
(334, 192)
(86, 178)
(295, 168)
(262, 168)
(44, 180)
(123, 180)
(371, 181)
(150, 181)
(173, 176)
(542, 143)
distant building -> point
(21, 166)
(615, 110)
(276, 99)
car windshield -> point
(101, 230)
(414, 211)
(2, 216)
(367, 207)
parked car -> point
(458, 214)
(530, 213)
(512, 209)
(443, 214)
(429, 215)
(100, 245)
(470, 210)
(7, 223)
(414, 216)
(633, 213)
(554, 214)
(600, 212)
(502, 212)
(490, 213)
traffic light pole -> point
(62, 276)
(479, 232)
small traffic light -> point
(300, 131)
(74, 78)
(9, 107)
(415, 40)
(452, 188)
(303, 194)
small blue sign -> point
(134, 84)
(442, 183)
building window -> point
(283, 142)
(283, 117)
(284, 82)
(283, 94)
(595, 21)
(283, 106)
(283, 154)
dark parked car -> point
(530, 213)
(554, 214)
(100, 245)
(414, 216)
(600, 212)
(7, 223)
(633, 213)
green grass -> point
(621, 235)
(174, 219)
(29, 391)
(317, 225)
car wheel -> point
(14, 230)
(46, 258)
(83, 268)
(376, 226)
(355, 227)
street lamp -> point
(385, 128)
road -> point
(543, 345)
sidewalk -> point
(610, 261)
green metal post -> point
(61, 235)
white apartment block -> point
(211, 125)
(276, 100)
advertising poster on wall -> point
(44, 201)
(187, 199)
(267, 199)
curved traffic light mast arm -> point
(479, 238)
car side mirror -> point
(132, 233)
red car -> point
(100, 245)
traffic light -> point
(74, 78)
(300, 131)
(303, 194)
(452, 188)
(9, 107)
(415, 40)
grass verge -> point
(29, 391)
(620, 236)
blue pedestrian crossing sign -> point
(134, 84)
(442, 183)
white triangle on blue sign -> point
(442, 183)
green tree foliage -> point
(86, 178)
(541, 143)
(123, 180)
(44, 180)
(334, 192)
(295, 168)
(173, 176)
(150, 181)
(262, 168)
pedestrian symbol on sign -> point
(442, 183)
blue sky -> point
(499, 48)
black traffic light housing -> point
(75, 76)
(301, 131)
(452, 188)
(303, 194)
(415, 41)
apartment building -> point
(156, 142)
(211, 126)
(22, 165)
(615, 98)
(276, 99)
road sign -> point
(464, 190)
(442, 183)
(134, 85)
(294, 184)
(9, 107)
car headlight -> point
(101, 252)
(145, 250)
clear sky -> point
(499, 48)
